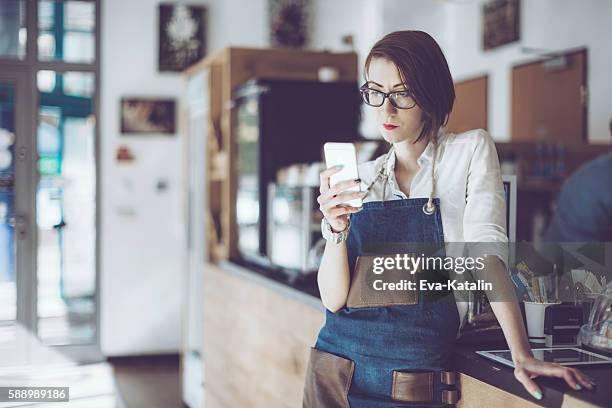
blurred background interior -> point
(159, 163)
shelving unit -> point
(212, 228)
(537, 193)
(226, 70)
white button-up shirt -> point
(468, 184)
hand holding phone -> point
(340, 185)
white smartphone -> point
(343, 154)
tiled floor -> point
(124, 382)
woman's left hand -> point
(531, 367)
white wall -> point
(346, 16)
(237, 23)
(555, 25)
(416, 15)
(143, 230)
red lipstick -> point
(389, 126)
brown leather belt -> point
(419, 387)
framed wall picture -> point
(182, 36)
(289, 23)
(501, 23)
(148, 116)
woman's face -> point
(384, 76)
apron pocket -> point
(367, 288)
(328, 379)
(412, 387)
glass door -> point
(8, 281)
(49, 102)
(66, 208)
(16, 240)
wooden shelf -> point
(226, 70)
(537, 195)
(525, 156)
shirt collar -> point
(425, 156)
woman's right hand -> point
(331, 198)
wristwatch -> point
(331, 235)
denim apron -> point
(365, 356)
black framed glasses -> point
(399, 99)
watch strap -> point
(335, 237)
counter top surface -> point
(466, 360)
(554, 390)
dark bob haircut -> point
(424, 71)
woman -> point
(431, 187)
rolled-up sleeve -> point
(484, 218)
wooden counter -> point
(257, 338)
(258, 333)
